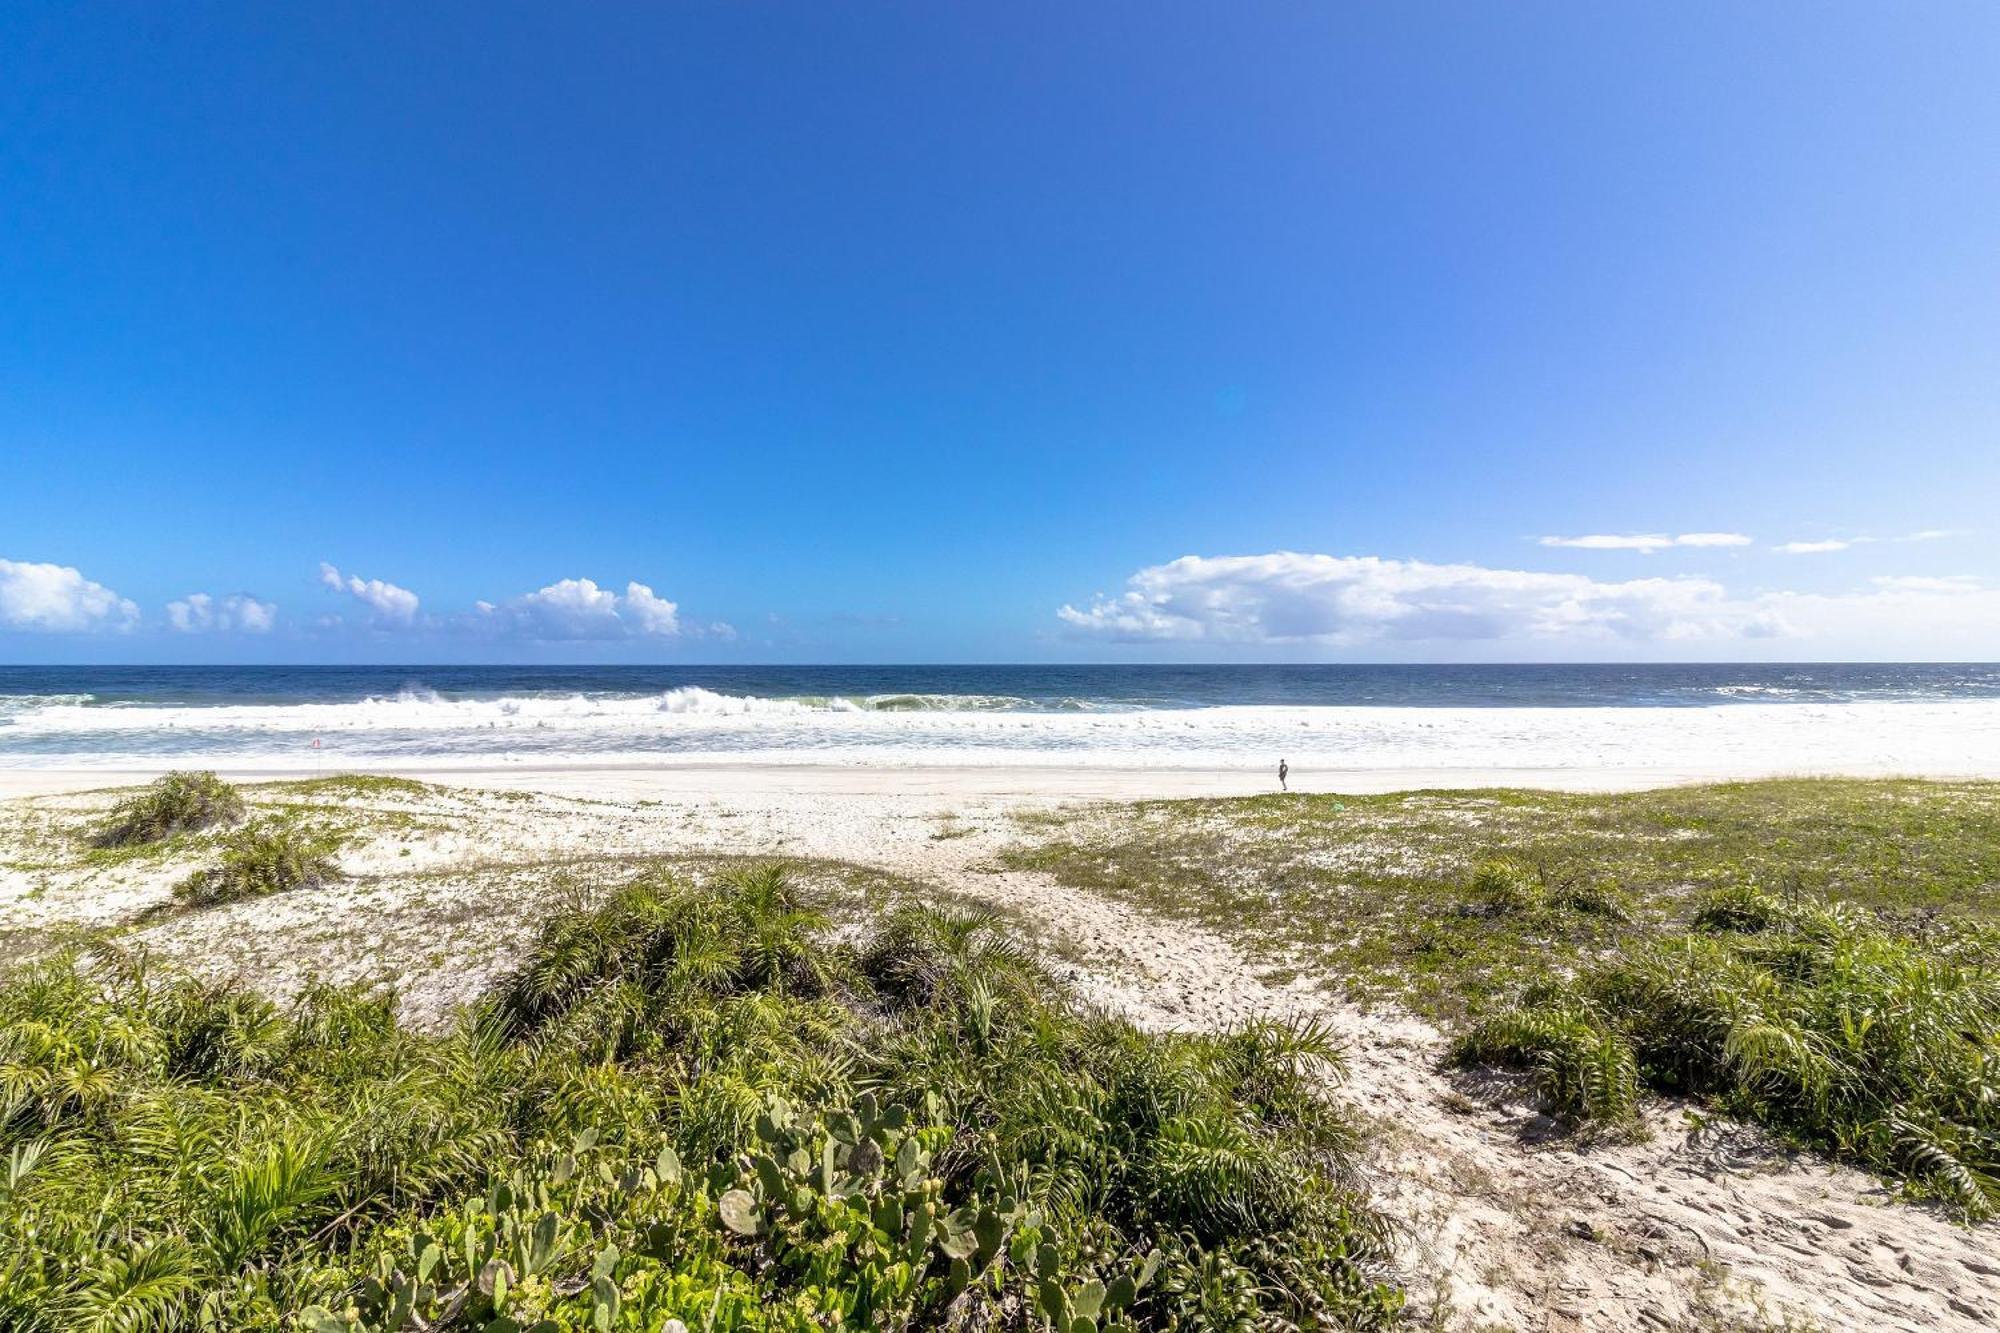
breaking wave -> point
(13, 705)
(265, 721)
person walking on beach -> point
(1282, 770)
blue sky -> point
(947, 332)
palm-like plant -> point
(181, 802)
(184, 1154)
(1803, 1015)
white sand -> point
(1710, 1231)
(987, 782)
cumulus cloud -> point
(1336, 601)
(59, 599)
(240, 613)
(654, 615)
(1646, 541)
(1951, 617)
(389, 604)
(1287, 597)
(579, 609)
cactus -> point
(1081, 1307)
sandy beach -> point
(1042, 782)
(1501, 1226)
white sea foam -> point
(419, 728)
(13, 705)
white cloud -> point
(1949, 583)
(198, 613)
(1646, 541)
(655, 615)
(1949, 618)
(59, 599)
(1643, 541)
(390, 604)
(579, 609)
(1287, 597)
(1340, 601)
(1842, 543)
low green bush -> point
(1503, 888)
(262, 859)
(1583, 1071)
(687, 1109)
(181, 802)
(1741, 906)
(1588, 896)
(1880, 1046)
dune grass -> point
(688, 1104)
(1878, 1045)
(1381, 897)
(181, 802)
(272, 856)
(1821, 957)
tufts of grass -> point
(339, 785)
(182, 802)
(274, 856)
(1383, 896)
(689, 1106)
(1588, 896)
(1742, 906)
(1808, 1017)
(1583, 1072)
(1502, 888)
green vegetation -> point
(1880, 1046)
(275, 856)
(1383, 896)
(176, 803)
(1504, 889)
(349, 785)
(687, 1105)
(1615, 944)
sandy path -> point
(1715, 1231)
(1678, 1231)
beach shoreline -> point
(969, 781)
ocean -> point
(1719, 717)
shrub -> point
(685, 1105)
(1587, 896)
(1503, 888)
(176, 803)
(1873, 1045)
(1583, 1072)
(262, 859)
(1742, 906)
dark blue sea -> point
(1035, 687)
